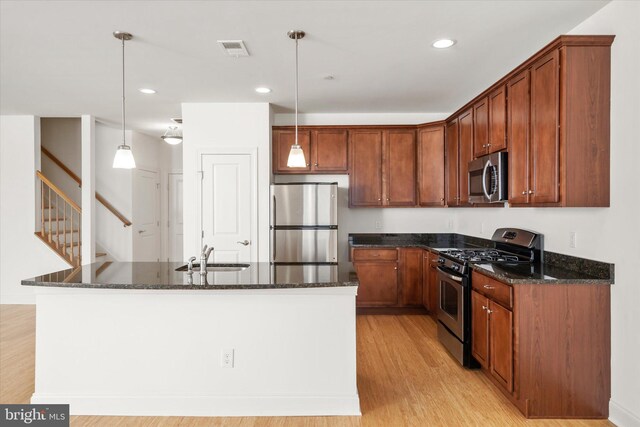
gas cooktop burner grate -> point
(483, 255)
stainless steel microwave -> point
(488, 179)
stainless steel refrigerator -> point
(304, 228)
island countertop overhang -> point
(163, 276)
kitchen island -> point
(145, 339)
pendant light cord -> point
(297, 90)
(123, 115)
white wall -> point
(61, 136)
(22, 255)
(218, 126)
(115, 185)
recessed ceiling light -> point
(147, 91)
(263, 90)
(443, 43)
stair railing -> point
(57, 208)
(77, 179)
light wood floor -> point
(405, 378)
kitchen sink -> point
(215, 267)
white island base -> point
(159, 352)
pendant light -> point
(296, 155)
(124, 156)
(172, 136)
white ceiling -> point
(59, 58)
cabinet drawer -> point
(491, 288)
(375, 254)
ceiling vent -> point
(234, 47)
(177, 120)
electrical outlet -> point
(226, 360)
(572, 239)
(378, 225)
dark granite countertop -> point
(556, 268)
(163, 276)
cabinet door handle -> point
(315, 164)
(524, 192)
(484, 307)
(379, 200)
(489, 311)
(488, 287)
(395, 268)
(388, 199)
(530, 191)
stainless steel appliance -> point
(304, 223)
(511, 246)
(488, 179)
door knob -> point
(244, 242)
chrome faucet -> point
(190, 266)
(204, 257)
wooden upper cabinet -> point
(383, 168)
(452, 163)
(545, 121)
(282, 142)
(431, 166)
(330, 150)
(465, 155)
(480, 127)
(365, 180)
(518, 137)
(497, 119)
(400, 167)
(325, 150)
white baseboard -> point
(17, 299)
(621, 416)
(206, 406)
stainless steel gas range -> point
(511, 246)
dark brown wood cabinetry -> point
(365, 181)
(546, 347)
(430, 282)
(282, 142)
(377, 271)
(325, 150)
(452, 162)
(431, 155)
(465, 155)
(389, 277)
(383, 168)
(480, 127)
(497, 119)
(518, 137)
(411, 276)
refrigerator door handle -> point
(273, 232)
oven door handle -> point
(450, 276)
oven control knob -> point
(455, 267)
(440, 260)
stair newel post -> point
(41, 208)
(57, 223)
(50, 207)
(79, 238)
(64, 228)
(71, 212)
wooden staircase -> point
(60, 222)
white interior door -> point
(227, 206)
(146, 216)
(175, 217)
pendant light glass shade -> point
(172, 136)
(124, 158)
(296, 155)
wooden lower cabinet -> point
(430, 282)
(378, 284)
(550, 353)
(389, 277)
